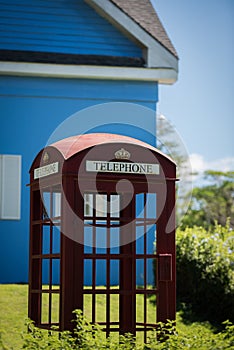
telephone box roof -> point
(74, 144)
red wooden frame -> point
(73, 182)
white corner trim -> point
(160, 75)
(157, 54)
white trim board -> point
(156, 54)
(160, 75)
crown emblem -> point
(122, 154)
(46, 157)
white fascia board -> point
(160, 75)
(157, 55)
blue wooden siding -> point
(62, 26)
(31, 109)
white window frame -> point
(10, 186)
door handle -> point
(164, 267)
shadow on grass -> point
(189, 316)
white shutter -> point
(10, 187)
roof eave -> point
(162, 75)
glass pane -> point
(45, 273)
(140, 337)
(101, 205)
(56, 240)
(88, 222)
(88, 204)
(100, 273)
(151, 240)
(45, 239)
(56, 196)
(45, 308)
(140, 272)
(101, 238)
(114, 308)
(114, 272)
(139, 308)
(46, 204)
(55, 308)
(55, 272)
(114, 239)
(150, 272)
(151, 308)
(114, 205)
(88, 239)
(151, 205)
(100, 308)
(88, 272)
(88, 306)
(140, 205)
(139, 239)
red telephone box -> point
(96, 200)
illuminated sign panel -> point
(46, 170)
(122, 167)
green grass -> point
(13, 313)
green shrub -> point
(199, 340)
(205, 271)
(91, 337)
(85, 336)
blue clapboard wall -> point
(62, 26)
(32, 108)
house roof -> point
(143, 13)
(137, 19)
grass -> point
(13, 306)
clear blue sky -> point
(201, 104)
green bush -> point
(91, 337)
(205, 271)
(199, 340)
(85, 336)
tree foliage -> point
(213, 202)
(170, 143)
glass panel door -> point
(45, 256)
(120, 261)
(146, 248)
(101, 259)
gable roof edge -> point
(144, 13)
(157, 55)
